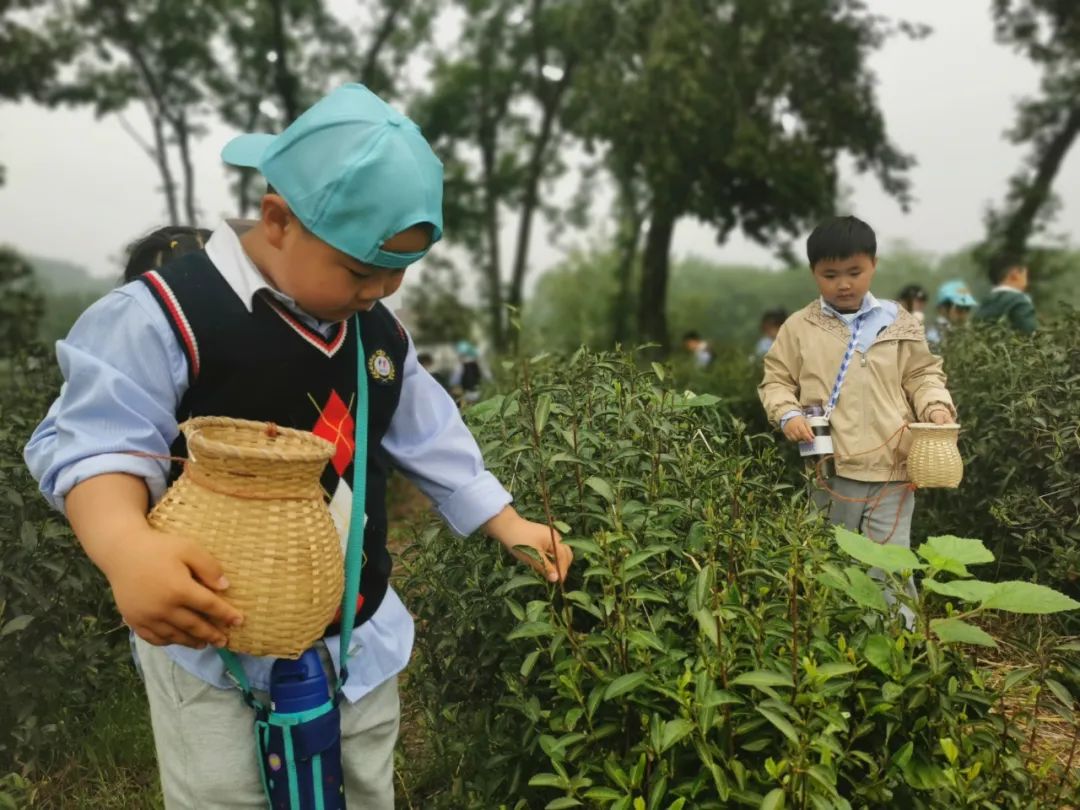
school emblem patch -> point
(381, 367)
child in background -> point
(868, 361)
(771, 322)
(159, 247)
(954, 305)
(262, 324)
(1009, 301)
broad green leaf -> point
(878, 651)
(16, 624)
(519, 581)
(707, 623)
(658, 370)
(531, 630)
(638, 557)
(643, 638)
(865, 590)
(582, 544)
(603, 794)
(780, 722)
(963, 550)
(678, 804)
(601, 488)
(722, 697)
(774, 800)
(957, 631)
(1061, 692)
(972, 590)
(761, 677)
(543, 410)
(562, 803)
(625, 683)
(674, 731)
(529, 662)
(1016, 677)
(1027, 597)
(835, 669)
(892, 559)
(549, 780)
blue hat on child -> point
(957, 294)
(354, 171)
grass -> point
(111, 765)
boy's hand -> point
(165, 589)
(797, 429)
(940, 416)
(512, 530)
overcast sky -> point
(79, 189)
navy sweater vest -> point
(268, 366)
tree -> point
(21, 303)
(281, 56)
(497, 115)
(1048, 33)
(34, 44)
(435, 305)
(156, 54)
(735, 112)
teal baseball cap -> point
(354, 171)
(957, 294)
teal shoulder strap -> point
(354, 554)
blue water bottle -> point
(300, 738)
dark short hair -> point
(912, 292)
(691, 335)
(774, 317)
(160, 247)
(840, 238)
(1001, 264)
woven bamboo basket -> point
(934, 459)
(250, 494)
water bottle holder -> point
(296, 751)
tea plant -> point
(713, 646)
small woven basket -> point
(934, 459)
(250, 494)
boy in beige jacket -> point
(889, 378)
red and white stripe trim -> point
(178, 318)
(327, 347)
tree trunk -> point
(183, 141)
(652, 307)
(493, 265)
(626, 245)
(382, 36)
(1021, 222)
(161, 157)
(284, 81)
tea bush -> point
(59, 643)
(712, 648)
(1019, 401)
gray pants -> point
(206, 742)
(880, 511)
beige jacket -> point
(896, 381)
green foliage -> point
(21, 303)
(1019, 402)
(712, 646)
(61, 643)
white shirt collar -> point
(223, 248)
(1006, 288)
(869, 304)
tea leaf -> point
(760, 678)
(643, 638)
(562, 803)
(549, 780)
(602, 794)
(835, 669)
(892, 559)
(529, 662)
(1027, 597)
(543, 410)
(625, 683)
(1061, 692)
(878, 651)
(780, 722)
(774, 800)
(531, 630)
(601, 488)
(957, 631)
(16, 624)
(674, 731)
(658, 370)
